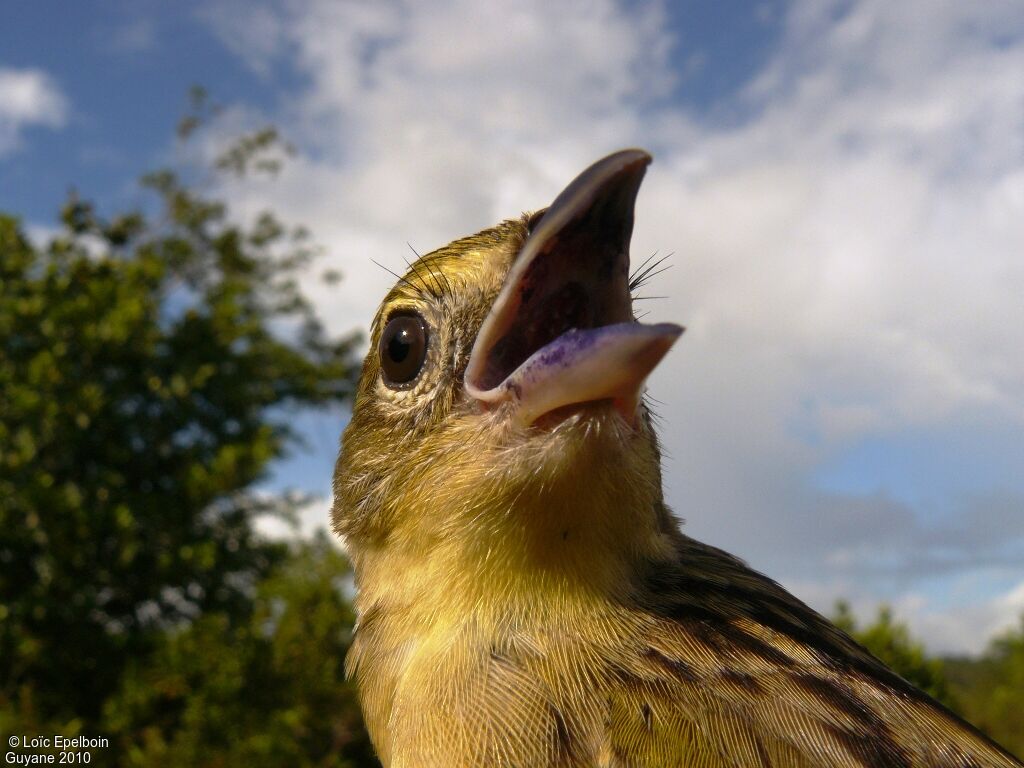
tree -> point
(268, 691)
(992, 688)
(148, 366)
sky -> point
(840, 185)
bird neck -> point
(530, 551)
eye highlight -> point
(403, 349)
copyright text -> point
(52, 750)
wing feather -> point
(765, 680)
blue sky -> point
(126, 69)
(841, 183)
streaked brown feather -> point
(665, 680)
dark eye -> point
(403, 348)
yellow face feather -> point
(469, 509)
(525, 597)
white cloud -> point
(132, 35)
(849, 262)
(252, 32)
(848, 255)
(312, 516)
(966, 628)
(28, 97)
(962, 624)
(41, 235)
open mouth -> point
(561, 331)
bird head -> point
(498, 418)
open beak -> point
(561, 331)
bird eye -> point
(403, 348)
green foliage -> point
(268, 690)
(147, 371)
(890, 641)
(992, 689)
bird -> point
(524, 595)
